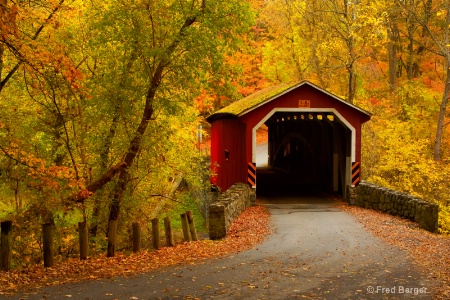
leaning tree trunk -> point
(107, 142)
(135, 144)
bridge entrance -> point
(314, 139)
(304, 147)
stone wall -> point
(227, 207)
(397, 203)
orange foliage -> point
(51, 180)
(250, 78)
(30, 31)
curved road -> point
(315, 252)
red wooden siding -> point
(228, 135)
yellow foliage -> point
(444, 219)
(397, 146)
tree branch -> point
(159, 195)
(36, 35)
(99, 183)
(15, 159)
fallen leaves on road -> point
(246, 231)
(428, 250)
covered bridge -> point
(312, 135)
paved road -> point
(315, 252)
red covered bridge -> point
(312, 134)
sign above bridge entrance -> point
(304, 103)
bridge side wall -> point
(376, 197)
(228, 206)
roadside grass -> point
(185, 203)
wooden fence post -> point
(136, 237)
(83, 239)
(155, 233)
(5, 245)
(47, 236)
(190, 219)
(168, 232)
(112, 234)
(184, 224)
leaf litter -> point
(248, 230)
(429, 251)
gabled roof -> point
(253, 101)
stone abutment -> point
(228, 206)
(369, 195)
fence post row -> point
(187, 222)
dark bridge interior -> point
(306, 153)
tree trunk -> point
(107, 142)
(410, 59)
(351, 84)
(6, 245)
(443, 108)
(83, 239)
(392, 51)
(115, 207)
(93, 229)
(47, 236)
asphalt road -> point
(316, 251)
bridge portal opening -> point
(305, 152)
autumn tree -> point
(97, 101)
(437, 29)
(159, 62)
